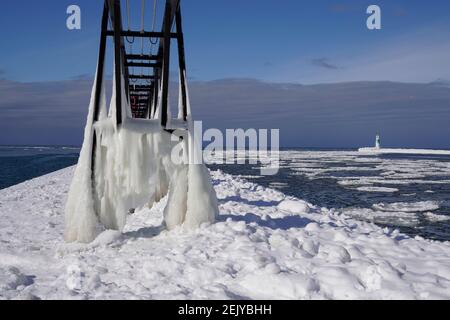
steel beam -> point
(141, 57)
(140, 34)
(98, 87)
(142, 64)
(141, 77)
(168, 17)
(116, 18)
(181, 62)
(139, 87)
(101, 63)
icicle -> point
(80, 218)
(175, 210)
(202, 206)
(180, 99)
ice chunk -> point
(420, 206)
(377, 189)
(436, 217)
(294, 206)
(396, 218)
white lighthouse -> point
(377, 142)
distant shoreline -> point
(372, 150)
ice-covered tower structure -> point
(136, 153)
(377, 142)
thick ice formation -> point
(134, 168)
(80, 215)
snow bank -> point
(255, 250)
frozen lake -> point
(408, 192)
(21, 163)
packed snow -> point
(264, 245)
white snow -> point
(264, 245)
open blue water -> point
(411, 193)
(21, 163)
(407, 192)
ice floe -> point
(420, 206)
(398, 218)
(436, 217)
(377, 189)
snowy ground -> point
(265, 246)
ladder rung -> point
(141, 57)
(140, 76)
(143, 100)
(140, 87)
(144, 34)
(139, 93)
(142, 64)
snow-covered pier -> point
(264, 245)
(404, 151)
(377, 149)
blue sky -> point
(46, 70)
(272, 40)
